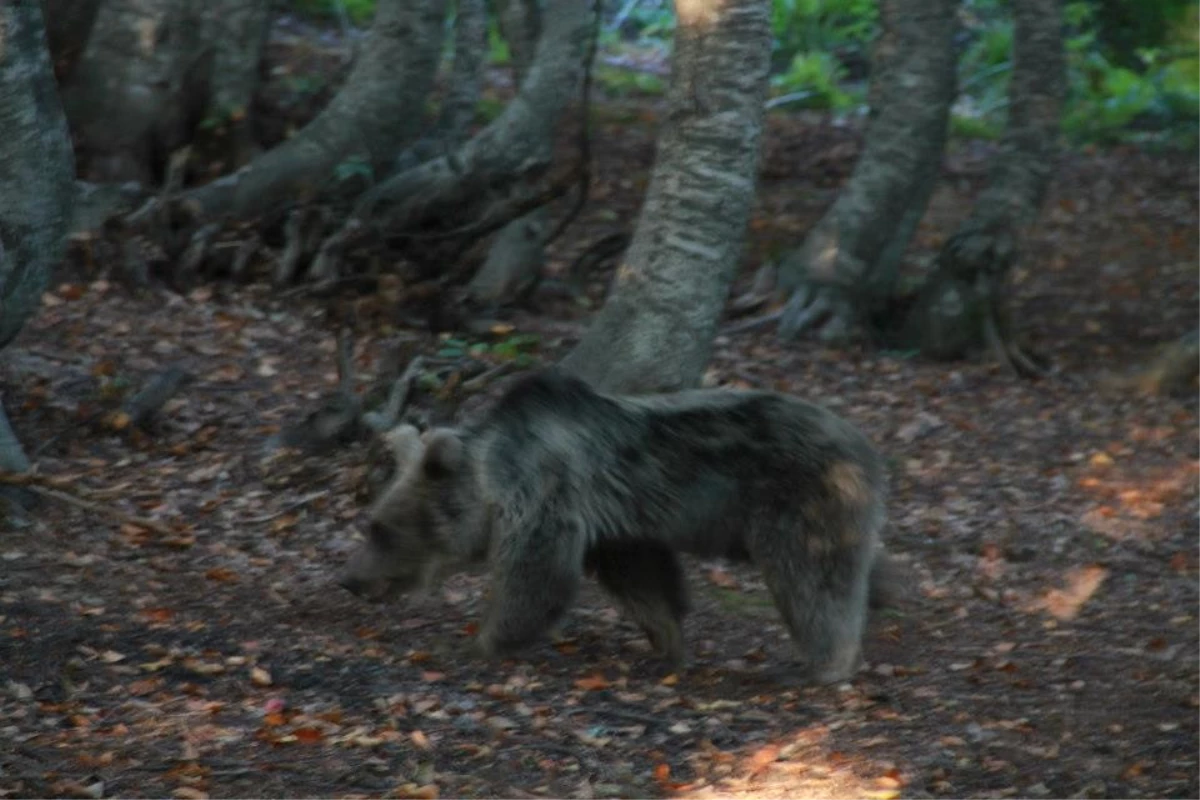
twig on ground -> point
(287, 509)
(38, 485)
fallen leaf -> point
(189, 793)
(308, 735)
(592, 683)
(221, 575)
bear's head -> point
(414, 527)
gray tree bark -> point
(517, 254)
(68, 28)
(238, 33)
(961, 307)
(655, 332)
(848, 260)
(374, 114)
(37, 173)
(512, 150)
(150, 72)
(466, 78)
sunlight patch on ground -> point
(798, 766)
(1066, 603)
(1130, 506)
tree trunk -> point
(150, 72)
(466, 78)
(961, 307)
(68, 28)
(459, 187)
(239, 35)
(655, 332)
(37, 185)
(848, 261)
(357, 136)
(517, 254)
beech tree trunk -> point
(517, 254)
(655, 332)
(961, 307)
(848, 260)
(513, 150)
(150, 71)
(68, 28)
(375, 113)
(466, 78)
(37, 173)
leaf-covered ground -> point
(1048, 646)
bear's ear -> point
(405, 443)
(444, 453)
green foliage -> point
(812, 26)
(359, 11)
(1109, 101)
(488, 108)
(516, 347)
(624, 82)
(814, 41)
(814, 80)
(1119, 88)
(966, 126)
(499, 53)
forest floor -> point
(1048, 646)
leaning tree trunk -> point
(482, 178)
(656, 331)
(848, 261)
(150, 72)
(362, 129)
(961, 307)
(36, 181)
(517, 254)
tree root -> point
(1011, 355)
(821, 309)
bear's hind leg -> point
(821, 592)
(647, 582)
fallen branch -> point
(45, 487)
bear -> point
(558, 480)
